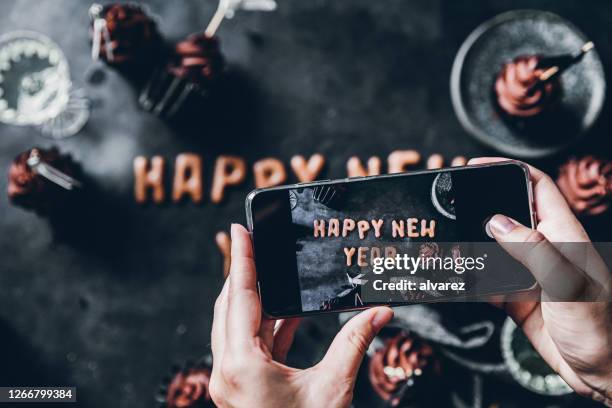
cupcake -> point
(196, 66)
(399, 366)
(123, 34)
(187, 388)
(429, 250)
(519, 90)
(587, 185)
(198, 59)
(42, 180)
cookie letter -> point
(319, 228)
(430, 231)
(229, 171)
(363, 227)
(333, 227)
(399, 160)
(390, 252)
(397, 228)
(375, 253)
(349, 255)
(354, 168)
(224, 243)
(362, 256)
(307, 171)
(347, 226)
(435, 161)
(458, 161)
(377, 224)
(269, 173)
(412, 228)
(187, 177)
(146, 178)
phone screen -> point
(316, 244)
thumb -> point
(349, 346)
(559, 279)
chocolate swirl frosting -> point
(131, 31)
(396, 366)
(198, 59)
(429, 250)
(32, 191)
(189, 388)
(517, 89)
(586, 184)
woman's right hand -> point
(574, 335)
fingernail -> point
(501, 225)
(233, 229)
(381, 318)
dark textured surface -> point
(131, 290)
(321, 261)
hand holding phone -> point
(243, 339)
(572, 336)
(249, 350)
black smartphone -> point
(316, 244)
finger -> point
(244, 308)
(555, 217)
(283, 338)
(554, 214)
(348, 348)
(558, 277)
(217, 335)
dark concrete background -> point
(111, 309)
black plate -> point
(501, 39)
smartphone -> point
(315, 244)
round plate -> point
(441, 195)
(501, 39)
(525, 364)
(34, 79)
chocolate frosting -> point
(32, 191)
(586, 184)
(189, 388)
(518, 93)
(198, 59)
(132, 32)
(396, 365)
(429, 250)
